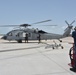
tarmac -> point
(34, 59)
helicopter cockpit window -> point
(17, 35)
(10, 34)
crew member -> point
(26, 37)
(39, 38)
(74, 37)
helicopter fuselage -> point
(32, 35)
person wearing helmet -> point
(74, 37)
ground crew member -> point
(74, 37)
(39, 38)
(26, 37)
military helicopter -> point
(19, 34)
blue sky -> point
(30, 11)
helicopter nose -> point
(4, 37)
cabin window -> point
(17, 35)
(10, 34)
(24, 34)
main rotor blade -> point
(49, 25)
(8, 25)
(41, 22)
(24, 25)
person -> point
(26, 37)
(74, 38)
(39, 38)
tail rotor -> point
(68, 29)
(69, 25)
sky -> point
(16, 12)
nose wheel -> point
(19, 41)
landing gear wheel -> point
(19, 41)
(53, 47)
(62, 47)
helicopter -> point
(19, 34)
